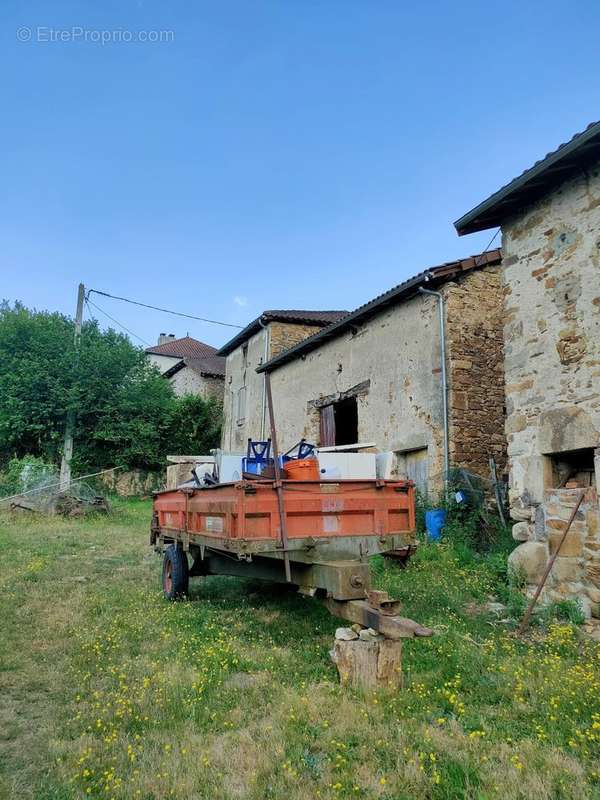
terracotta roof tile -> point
(180, 348)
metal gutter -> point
(445, 387)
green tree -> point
(126, 413)
(195, 425)
(36, 357)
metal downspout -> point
(442, 316)
(263, 421)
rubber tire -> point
(175, 559)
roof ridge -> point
(443, 272)
(290, 315)
(183, 346)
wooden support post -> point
(369, 665)
(278, 484)
(65, 464)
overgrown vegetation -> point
(109, 692)
(126, 413)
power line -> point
(116, 321)
(489, 244)
(165, 310)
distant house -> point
(191, 366)
(245, 413)
(375, 375)
(550, 221)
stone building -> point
(376, 375)
(245, 412)
(191, 366)
(550, 220)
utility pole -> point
(65, 464)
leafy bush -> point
(498, 564)
(566, 611)
(24, 473)
(516, 603)
(194, 426)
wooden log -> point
(391, 626)
(369, 665)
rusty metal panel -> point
(247, 511)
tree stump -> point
(369, 665)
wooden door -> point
(327, 432)
(416, 466)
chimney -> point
(165, 337)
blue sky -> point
(271, 154)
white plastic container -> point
(229, 466)
(360, 466)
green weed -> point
(110, 692)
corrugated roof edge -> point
(201, 366)
(482, 216)
(432, 276)
(302, 317)
(209, 367)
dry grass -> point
(109, 692)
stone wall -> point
(284, 335)
(133, 483)
(552, 341)
(576, 571)
(474, 335)
(241, 372)
(186, 381)
(391, 364)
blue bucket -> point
(434, 523)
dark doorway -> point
(339, 423)
(346, 421)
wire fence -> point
(41, 484)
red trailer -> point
(324, 530)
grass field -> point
(107, 691)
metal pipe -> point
(278, 482)
(264, 392)
(442, 317)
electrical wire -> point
(491, 241)
(164, 310)
(89, 303)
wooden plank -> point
(327, 426)
(393, 627)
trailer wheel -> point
(175, 573)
